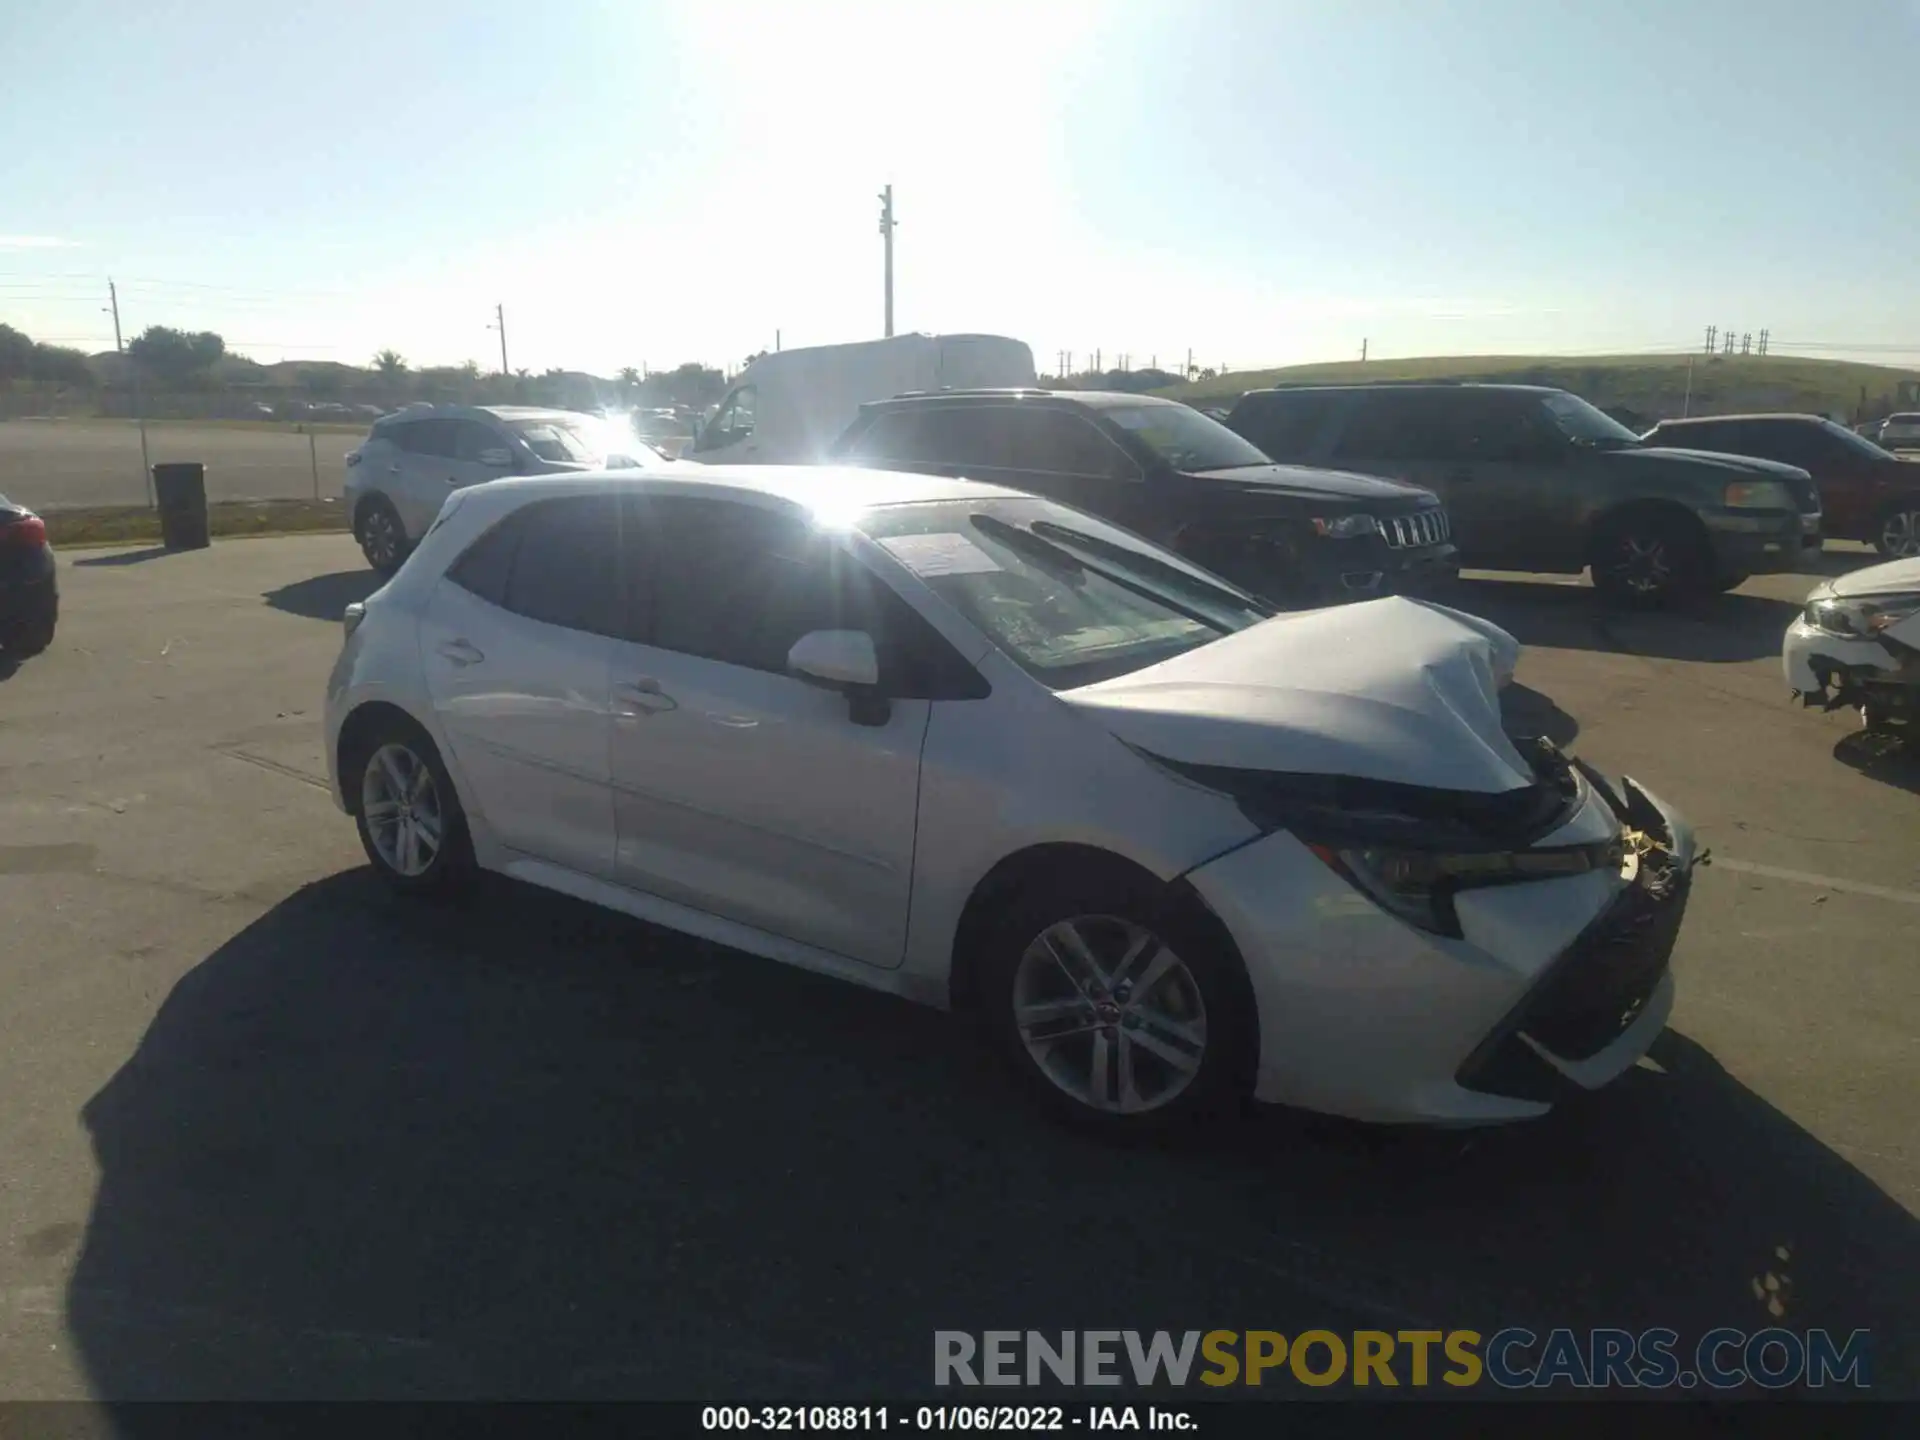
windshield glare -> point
(1069, 599)
(1185, 438)
(1585, 425)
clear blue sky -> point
(1264, 181)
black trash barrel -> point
(180, 494)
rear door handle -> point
(461, 652)
(645, 696)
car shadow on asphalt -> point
(518, 1146)
(125, 557)
(324, 597)
(1891, 759)
(1725, 629)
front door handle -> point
(645, 696)
(461, 652)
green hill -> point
(1655, 386)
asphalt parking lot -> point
(58, 464)
(271, 1133)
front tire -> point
(1648, 561)
(1898, 535)
(1114, 1013)
(409, 816)
(382, 536)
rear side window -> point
(558, 562)
(1408, 425)
(488, 562)
(1284, 426)
(472, 439)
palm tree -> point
(391, 364)
(629, 377)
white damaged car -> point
(986, 752)
(1856, 643)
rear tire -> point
(408, 813)
(1897, 536)
(1112, 1011)
(382, 536)
(1649, 560)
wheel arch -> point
(1609, 521)
(357, 731)
(1051, 863)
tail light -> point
(26, 530)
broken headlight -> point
(1862, 617)
(1418, 886)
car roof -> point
(1312, 387)
(841, 491)
(426, 411)
(1799, 415)
(1026, 394)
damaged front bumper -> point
(1836, 672)
(1552, 985)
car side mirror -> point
(843, 660)
(499, 457)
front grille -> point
(1415, 531)
(1598, 988)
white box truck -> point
(788, 407)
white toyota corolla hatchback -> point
(984, 751)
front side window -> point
(1069, 599)
(733, 421)
(1053, 442)
(1186, 439)
(740, 584)
(1839, 438)
(474, 440)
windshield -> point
(1068, 599)
(1185, 438)
(1583, 424)
(561, 441)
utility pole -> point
(776, 342)
(1686, 403)
(887, 224)
(1187, 374)
(1363, 349)
(500, 324)
(1763, 341)
(1712, 330)
(139, 409)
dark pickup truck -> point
(1290, 534)
(1537, 479)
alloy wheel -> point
(401, 802)
(380, 538)
(1110, 1014)
(1900, 534)
(1642, 563)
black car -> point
(1290, 535)
(29, 598)
(1536, 479)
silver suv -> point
(413, 458)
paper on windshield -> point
(940, 554)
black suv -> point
(1539, 480)
(1164, 470)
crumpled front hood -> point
(1394, 690)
